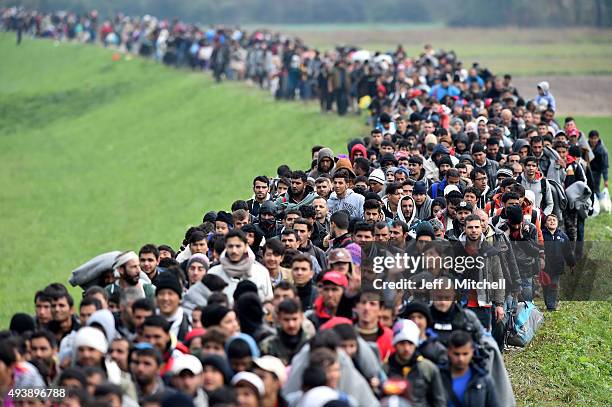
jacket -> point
(507, 260)
(315, 252)
(535, 186)
(286, 202)
(600, 160)
(196, 296)
(480, 390)
(424, 378)
(352, 203)
(323, 153)
(282, 346)
(491, 168)
(558, 251)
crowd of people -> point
(269, 302)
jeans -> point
(551, 292)
(484, 315)
(527, 288)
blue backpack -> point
(523, 324)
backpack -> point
(523, 324)
(558, 194)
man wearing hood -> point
(481, 161)
(299, 194)
(325, 163)
(545, 99)
(406, 210)
(343, 198)
(237, 263)
(267, 221)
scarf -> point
(241, 269)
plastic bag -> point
(604, 201)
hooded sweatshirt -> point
(246, 269)
(423, 212)
(358, 147)
(547, 98)
(323, 153)
(401, 216)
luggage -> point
(523, 324)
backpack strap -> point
(543, 187)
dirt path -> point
(575, 95)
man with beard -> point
(43, 347)
(237, 263)
(445, 165)
(261, 194)
(304, 230)
(481, 161)
(127, 264)
(145, 367)
(323, 186)
(406, 210)
(290, 336)
(149, 260)
(299, 194)
(325, 163)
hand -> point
(326, 241)
(606, 184)
(499, 313)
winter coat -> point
(423, 212)
(399, 215)
(535, 186)
(547, 99)
(323, 153)
(480, 390)
(279, 347)
(352, 202)
(196, 296)
(600, 160)
(491, 168)
(424, 377)
(558, 251)
(508, 264)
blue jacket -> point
(558, 251)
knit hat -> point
(199, 258)
(436, 224)
(335, 278)
(445, 159)
(214, 282)
(388, 158)
(344, 163)
(355, 250)
(425, 229)
(213, 314)
(466, 157)
(219, 363)
(430, 139)
(419, 188)
(223, 216)
(168, 281)
(478, 148)
(252, 379)
(402, 170)
(377, 176)
(21, 323)
(416, 306)
(92, 338)
(210, 217)
(273, 365)
(405, 330)
(514, 214)
(504, 172)
(250, 312)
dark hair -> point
(283, 171)
(471, 217)
(292, 211)
(302, 221)
(453, 172)
(239, 204)
(144, 304)
(506, 196)
(477, 170)
(528, 159)
(392, 188)
(149, 248)
(261, 178)
(459, 338)
(90, 301)
(363, 227)
(342, 173)
(157, 321)
(290, 232)
(371, 204)
(214, 334)
(518, 189)
(236, 233)
(303, 258)
(151, 352)
(44, 334)
(401, 223)
(167, 248)
(536, 139)
(107, 389)
(362, 163)
(472, 190)
(593, 133)
(346, 332)
(7, 353)
(315, 149)
(313, 376)
(238, 349)
(55, 291)
(41, 296)
(286, 285)
(308, 211)
(299, 174)
(73, 373)
(381, 225)
(275, 245)
(196, 236)
(340, 219)
(289, 306)
(325, 339)
(95, 289)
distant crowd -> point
(270, 301)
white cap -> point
(406, 330)
(186, 362)
(273, 365)
(450, 188)
(92, 338)
(250, 378)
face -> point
(340, 186)
(213, 348)
(363, 236)
(168, 301)
(479, 158)
(407, 208)
(235, 249)
(419, 319)
(332, 374)
(404, 349)
(473, 230)
(195, 272)
(444, 169)
(229, 324)
(429, 128)
(326, 164)
(201, 246)
(537, 148)
(145, 369)
(552, 223)
(395, 196)
(375, 186)
(290, 323)
(368, 310)
(396, 234)
(302, 231)
(246, 396)
(462, 214)
(453, 180)
(461, 356)
(212, 379)
(562, 152)
(119, 353)
(530, 169)
(261, 190)
(187, 382)
(139, 315)
(87, 356)
(241, 364)
(272, 260)
(301, 272)
(408, 189)
(289, 241)
(60, 310)
(372, 215)
(281, 189)
(85, 312)
(386, 317)
(341, 267)
(470, 198)
(43, 311)
(148, 262)
(350, 347)
(320, 207)
(165, 254)
(281, 295)
(332, 294)
(297, 186)
(40, 348)
(240, 223)
(377, 139)
(221, 228)
(130, 272)
(156, 337)
(323, 189)
(383, 235)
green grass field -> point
(97, 155)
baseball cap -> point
(336, 278)
(273, 365)
(340, 256)
(186, 362)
